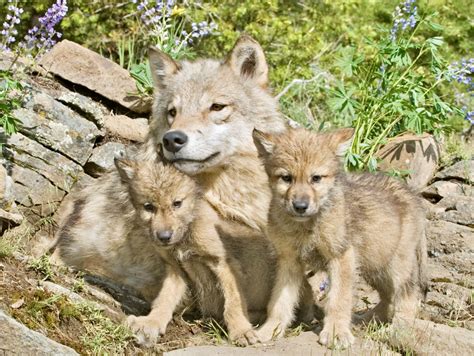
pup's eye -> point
(172, 112)
(177, 203)
(315, 179)
(286, 178)
(217, 107)
(149, 207)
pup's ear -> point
(126, 169)
(162, 66)
(248, 60)
(341, 140)
(263, 142)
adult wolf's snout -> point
(173, 141)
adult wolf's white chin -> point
(189, 167)
(194, 166)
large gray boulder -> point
(17, 339)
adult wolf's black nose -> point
(300, 206)
(173, 141)
(165, 236)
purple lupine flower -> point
(154, 14)
(470, 117)
(8, 27)
(462, 72)
(43, 37)
(404, 16)
(199, 30)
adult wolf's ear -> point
(126, 169)
(263, 142)
(248, 60)
(341, 140)
(161, 65)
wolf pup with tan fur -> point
(178, 224)
(322, 217)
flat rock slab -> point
(127, 128)
(17, 339)
(462, 170)
(61, 171)
(304, 344)
(423, 337)
(82, 66)
(33, 189)
(58, 127)
(102, 158)
(84, 105)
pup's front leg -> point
(337, 323)
(148, 329)
(285, 294)
(240, 330)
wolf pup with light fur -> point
(219, 266)
(322, 217)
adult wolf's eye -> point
(149, 207)
(217, 107)
(172, 112)
(177, 203)
(315, 179)
(286, 178)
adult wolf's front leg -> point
(337, 321)
(285, 294)
(235, 307)
(148, 329)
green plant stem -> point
(379, 138)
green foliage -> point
(141, 72)
(10, 99)
(42, 265)
(102, 336)
(6, 248)
(391, 91)
(333, 49)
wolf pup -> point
(227, 273)
(322, 217)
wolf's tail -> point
(422, 259)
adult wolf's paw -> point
(245, 338)
(334, 336)
(147, 330)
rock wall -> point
(72, 125)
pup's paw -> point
(333, 336)
(248, 337)
(147, 330)
(269, 332)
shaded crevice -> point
(109, 104)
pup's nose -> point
(174, 140)
(165, 236)
(300, 206)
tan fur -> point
(219, 267)
(367, 221)
(219, 154)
